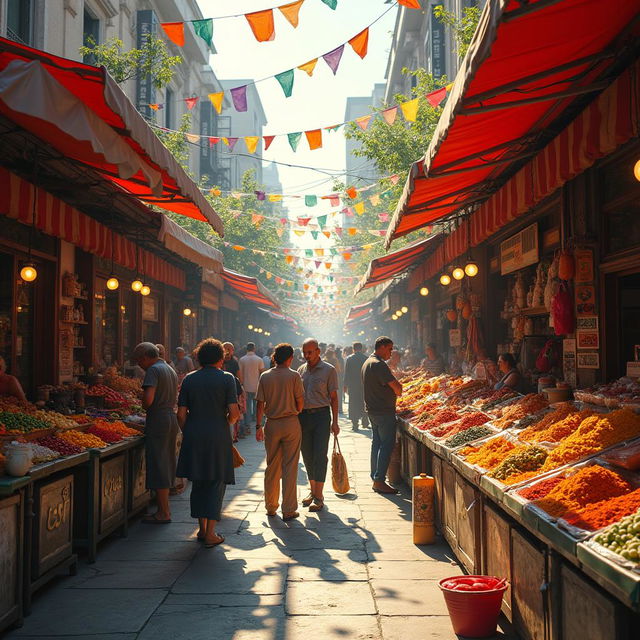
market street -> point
(350, 571)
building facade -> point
(61, 27)
(420, 41)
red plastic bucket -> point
(474, 614)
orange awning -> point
(530, 69)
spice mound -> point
(594, 434)
(84, 440)
(473, 419)
(489, 454)
(468, 435)
(524, 458)
(540, 489)
(589, 485)
(531, 403)
(531, 433)
(605, 512)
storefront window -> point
(107, 315)
(24, 333)
(150, 319)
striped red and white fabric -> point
(59, 219)
(607, 123)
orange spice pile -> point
(489, 454)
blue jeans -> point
(250, 417)
(384, 439)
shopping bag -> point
(339, 474)
(238, 460)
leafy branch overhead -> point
(151, 60)
(463, 28)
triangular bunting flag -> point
(410, 109)
(275, 197)
(410, 4)
(261, 23)
(239, 95)
(332, 4)
(334, 200)
(327, 234)
(436, 97)
(333, 58)
(363, 122)
(308, 67)
(303, 222)
(286, 82)
(314, 235)
(193, 138)
(360, 43)
(232, 143)
(347, 256)
(280, 231)
(314, 138)
(352, 192)
(261, 195)
(322, 221)
(319, 252)
(155, 107)
(252, 143)
(389, 115)
(328, 265)
(359, 208)
(216, 100)
(352, 231)
(383, 217)
(294, 139)
(191, 102)
(299, 233)
(311, 201)
(374, 199)
(213, 141)
(204, 29)
(290, 12)
(256, 219)
(214, 191)
(267, 141)
(394, 178)
(174, 31)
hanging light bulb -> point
(249, 326)
(145, 291)
(458, 273)
(186, 311)
(29, 272)
(112, 283)
(137, 285)
(394, 317)
(636, 170)
(424, 291)
(445, 279)
(471, 269)
(404, 309)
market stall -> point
(546, 495)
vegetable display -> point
(623, 537)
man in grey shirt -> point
(380, 392)
(160, 389)
(320, 382)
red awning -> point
(528, 63)
(81, 112)
(250, 289)
(393, 264)
(359, 312)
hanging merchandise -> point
(562, 311)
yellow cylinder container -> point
(423, 492)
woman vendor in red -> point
(9, 385)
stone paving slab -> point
(143, 550)
(408, 597)
(340, 626)
(343, 598)
(336, 565)
(109, 574)
(407, 570)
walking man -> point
(183, 364)
(318, 419)
(251, 366)
(380, 392)
(160, 389)
(281, 396)
(353, 386)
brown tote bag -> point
(339, 474)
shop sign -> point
(147, 26)
(588, 339)
(437, 46)
(569, 361)
(585, 299)
(589, 360)
(520, 250)
(584, 265)
(455, 338)
(149, 309)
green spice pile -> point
(468, 435)
(522, 459)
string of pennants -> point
(314, 137)
(261, 23)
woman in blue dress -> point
(207, 405)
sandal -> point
(153, 519)
(308, 500)
(210, 545)
(318, 505)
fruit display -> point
(112, 399)
(40, 453)
(110, 437)
(121, 383)
(55, 420)
(117, 427)
(84, 440)
(63, 447)
(81, 418)
(11, 423)
(620, 393)
(623, 537)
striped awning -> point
(358, 312)
(531, 67)
(250, 289)
(394, 264)
(59, 219)
(80, 111)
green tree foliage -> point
(463, 28)
(176, 141)
(151, 60)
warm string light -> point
(445, 280)
(186, 311)
(29, 273)
(137, 285)
(424, 291)
(145, 291)
(458, 273)
(471, 269)
(112, 283)
(636, 170)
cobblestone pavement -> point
(350, 571)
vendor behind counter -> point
(510, 375)
(10, 385)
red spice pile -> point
(540, 489)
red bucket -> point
(474, 614)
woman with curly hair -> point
(207, 404)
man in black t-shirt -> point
(380, 392)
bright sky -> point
(316, 102)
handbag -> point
(339, 474)
(238, 460)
